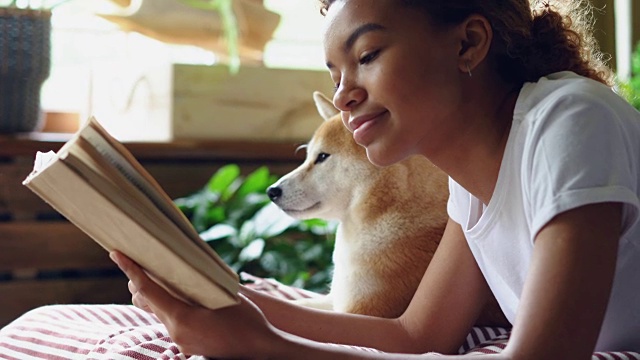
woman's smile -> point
(363, 126)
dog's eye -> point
(321, 157)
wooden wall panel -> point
(18, 297)
(47, 246)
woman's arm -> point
(574, 261)
(443, 310)
(568, 286)
(449, 299)
(561, 310)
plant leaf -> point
(243, 209)
(247, 233)
(218, 232)
(256, 182)
(271, 221)
(252, 251)
(223, 178)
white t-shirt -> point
(573, 142)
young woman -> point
(544, 165)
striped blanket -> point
(125, 332)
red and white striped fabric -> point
(125, 332)
(87, 332)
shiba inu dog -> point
(390, 219)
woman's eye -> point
(336, 87)
(321, 157)
(369, 57)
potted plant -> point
(25, 59)
(631, 87)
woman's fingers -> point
(147, 294)
(197, 330)
(141, 303)
(138, 300)
(132, 287)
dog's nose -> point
(274, 192)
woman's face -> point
(397, 77)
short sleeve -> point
(579, 153)
(455, 204)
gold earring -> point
(468, 68)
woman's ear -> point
(475, 43)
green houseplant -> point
(631, 87)
(25, 62)
(236, 218)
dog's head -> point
(325, 185)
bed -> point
(125, 332)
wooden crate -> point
(44, 259)
(255, 104)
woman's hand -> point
(234, 332)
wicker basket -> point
(25, 60)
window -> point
(85, 48)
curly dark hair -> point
(531, 39)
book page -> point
(42, 159)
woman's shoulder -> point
(565, 92)
(567, 87)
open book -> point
(95, 182)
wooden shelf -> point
(28, 144)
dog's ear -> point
(324, 105)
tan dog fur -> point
(391, 219)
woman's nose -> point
(348, 96)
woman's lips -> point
(360, 125)
(356, 122)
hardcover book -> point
(97, 184)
